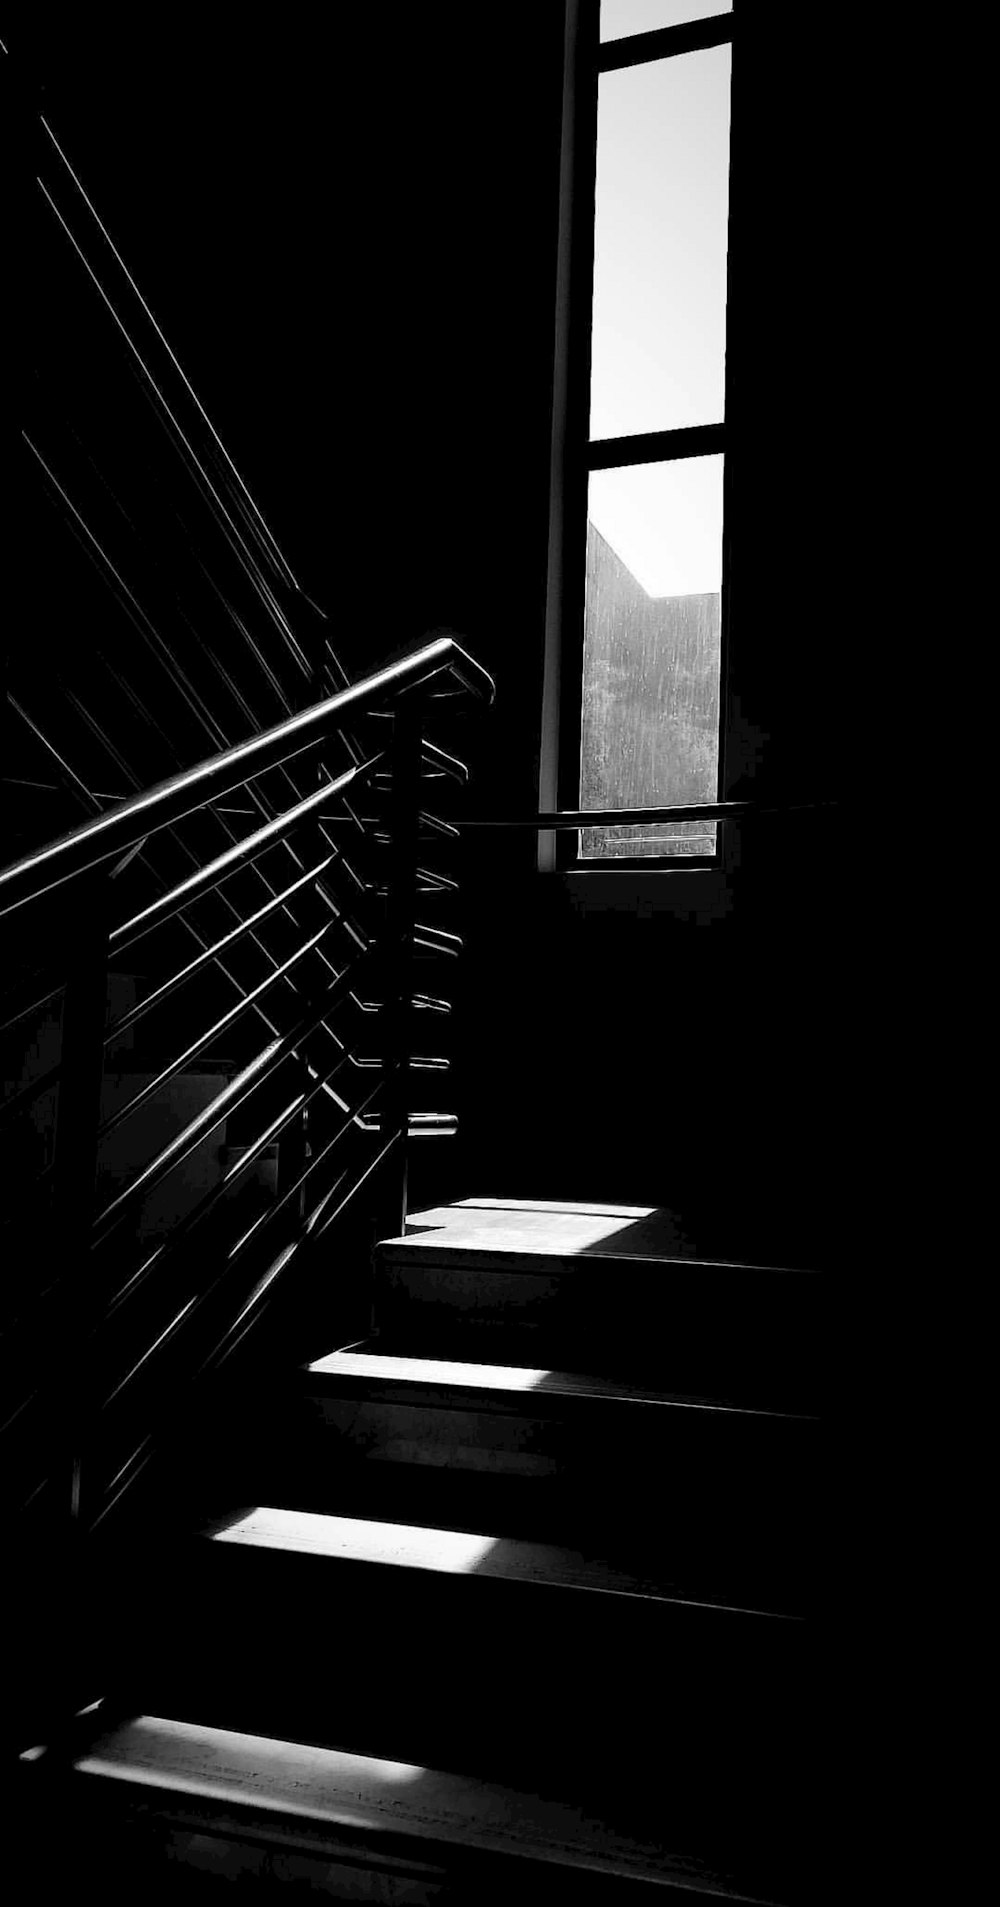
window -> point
(639, 550)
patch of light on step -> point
(293, 1777)
(525, 1225)
(457, 1552)
(430, 1370)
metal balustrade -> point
(122, 1320)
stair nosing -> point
(332, 1374)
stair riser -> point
(504, 1673)
(676, 1455)
(110, 1837)
(687, 1337)
(739, 1552)
(739, 1558)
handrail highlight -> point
(171, 800)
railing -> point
(578, 818)
(111, 1316)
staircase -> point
(503, 1594)
(484, 1561)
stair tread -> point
(408, 1374)
(524, 1231)
(442, 1497)
(351, 1797)
(453, 1552)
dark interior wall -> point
(347, 231)
(694, 1042)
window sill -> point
(702, 893)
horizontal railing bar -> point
(355, 1118)
(181, 1231)
(16, 1102)
(637, 817)
(432, 824)
(210, 1034)
(307, 1236)
(423, 1002)
(166, 1337)
(169, 801)
(436, 825)
(184, 1142)
(394, 1139)
(161, 993)
(79, 789)
(244, 1317)
(423, 1125)
(417, 1063)
(194, 1303)
(211, 1116)
(18, 1410)
(441, 764)
(135, 1463)
(361, 934)
(446, 764)
(25, 1012)
(230, 1341)
(55, 788)
(239, 855)
(435, 940)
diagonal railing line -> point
(242, 579)
(170, 801)
(243, 850)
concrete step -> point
(694, 1563)
(544, 1283)
(653, 1516)
(681, 1478)
(179, 1806)
(459, 1648)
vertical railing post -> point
(397, 962)
(78, 1118)
(293, 1146)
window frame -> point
(575, 454)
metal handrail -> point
(242, 851)
(116, 833)
(100, 850)
(356, 941)
(628, 817)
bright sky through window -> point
(658, 353)
(665, 522)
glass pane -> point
(659, 336)
(621, 17)
(650, 732)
